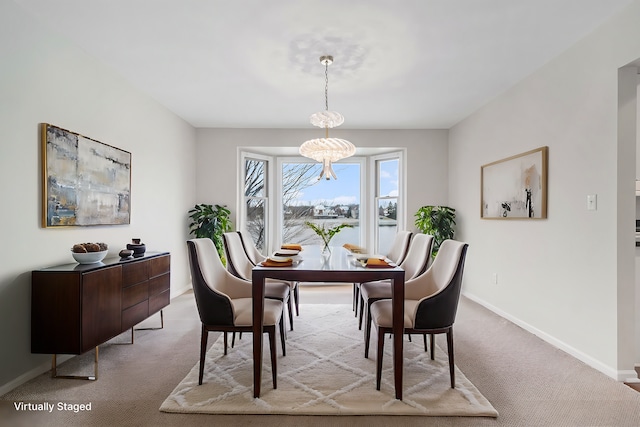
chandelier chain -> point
(326, 86)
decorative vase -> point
(326, 249)
(137, 247)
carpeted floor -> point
(529, 382)
(325, 373)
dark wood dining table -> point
(339, 266)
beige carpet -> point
(325, 373)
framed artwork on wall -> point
(515, 187)
(84, 182)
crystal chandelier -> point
(327, 150)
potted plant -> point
(326, 234)
(437, 221)
(212, 222)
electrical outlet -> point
(495, 278)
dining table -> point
(312, 264)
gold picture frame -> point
(515, 187)
(84, 182)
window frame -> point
(369, 188)
(361, 160)
(374, 195)
(268, 199)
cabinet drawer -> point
(159, 265)
(158, 302)
(134, 315)
(159, 284)
(134, 272)
(134, 294)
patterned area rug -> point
(325, 373)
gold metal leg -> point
(125, 343)
(154, 329)
(54, 370)
(145, 329)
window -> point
(387, 201)
(256, 201)
(327, 202)
(368, 194)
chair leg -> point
(226, 341)
(362, 304)
(367, 331)
(451, 364)
(354, 302)
(271, 331)
(356, 298)
(290, 308)
(203, 352)
(432, 341)
(282, 335)
(424, 339)
(296, 296)
(233, 340)
(379, 358)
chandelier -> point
(327, 150)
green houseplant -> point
(437, 221)
(212, 222)
(326, 234)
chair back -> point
(438, 310)
(400, 246)
(238, 262)
(207, 274)
(250, 248)
(415, 263)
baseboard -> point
(176, 293)
(622, 376)
(31, 374)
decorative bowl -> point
(89, 257)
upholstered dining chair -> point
(239, 265)
(413, 265)
(224, 301)
(256, 257)
(397, 253)
(430, 305)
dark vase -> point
(138, 249)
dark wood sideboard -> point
(77, 307)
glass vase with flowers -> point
(326, 233)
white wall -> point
(218, 160)
(568, 278)
(45, 79)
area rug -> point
(325, 373)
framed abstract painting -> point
(84, 182)
(515, 187)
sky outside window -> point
(388, 179)
(343, 191)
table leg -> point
(258, 316)
(397, 297)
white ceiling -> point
(399, 64)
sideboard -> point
(77, 307)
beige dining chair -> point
(430, 305)
(413, 265)
(239, 265)
(224, 302)
(397, 253)
(256, 257)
